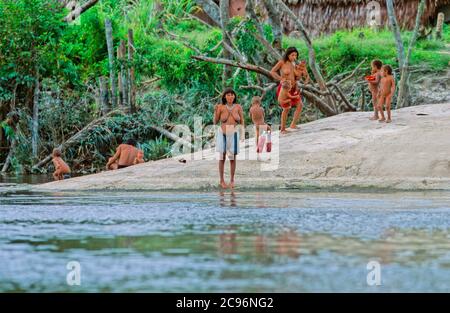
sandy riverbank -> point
(348, 150)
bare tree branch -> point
(396, 30)
(260, 35)
(182, 40)
(275, 21)
(80, 10)
(263, 90)
(352, 73)
(243, 65)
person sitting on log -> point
(125, 156)
(62, 170)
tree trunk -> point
(35, 121)
(403, 98)
(275, 22)
(123, 75)
(224, 18)
(131, 74)
(104, 101)
(396, 30)
(112, 77)
(119, 78)
(10, 155)
(211, 9)
(272, 50)
(439, 25)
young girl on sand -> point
(387, 90)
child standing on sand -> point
(62, 170)
(387, 90)
(257, 116)
(374, 82)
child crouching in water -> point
(387, 90)
(62, 170)
(257, 116)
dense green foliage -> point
(68, 59)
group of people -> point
(289, 73)
(229, 114)
(382, 87)
(126, 155)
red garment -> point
(293, 92)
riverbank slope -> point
(344, 151)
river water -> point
(224, 242)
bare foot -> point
(293, 127)
(388, 120)
(382, 120)
(373, 118)
(223, 185)
(232, 184)
(283, 132)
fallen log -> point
(75, 137)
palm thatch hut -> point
(327, 16)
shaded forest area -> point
(135, 69)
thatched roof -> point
(348, 2)
(325, 16)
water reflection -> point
(401, 246)
(232, 241)
(228, 199)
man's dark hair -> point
(131, 142)
(224, 94)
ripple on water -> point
(258, 241)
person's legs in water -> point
(232, 171)
(298, 111)
(221, 171)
